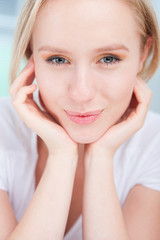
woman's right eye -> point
(57, 61)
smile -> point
(84, 118)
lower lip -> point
(83, 120)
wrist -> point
(63, 151)
(99, 156)
(95, 151)
(63, 156)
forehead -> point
(86, 21)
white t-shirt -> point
(137, 161)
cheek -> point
(120, 82)
(119, 87)
(50, 84)
(118, 92)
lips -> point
(84, 118)
(84, 114)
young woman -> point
(83, 160)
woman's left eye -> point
(110, 59)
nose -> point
(82, 86)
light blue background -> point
(6, 38)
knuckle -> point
(139, 122)
(11, 90)
(22, 90)
(139, 125)
(147, 104)
(147, 98)
(149, 91)
(15, 102)
(15, 99)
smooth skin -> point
(62, 168)
(31, 225)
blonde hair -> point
(145, 16)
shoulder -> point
(15, 135)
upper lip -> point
(91, 113)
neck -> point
(81, 148)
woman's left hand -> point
(130, 122)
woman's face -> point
(87, 56)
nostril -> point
(82, 88)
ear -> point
(30, 45)
(145, 53)
(29, 50)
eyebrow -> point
(105, 48)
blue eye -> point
(56, 60)
(110, 59)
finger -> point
(45, 111)
(26, 77)
(21, 96)
(143, 95)
(137, 116)
(134, 119)
(42, 103)
(28, 110)
(145, 91)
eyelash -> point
(114, 59)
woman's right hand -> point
(54, 136)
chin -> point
(84, 137)
(83, 140)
